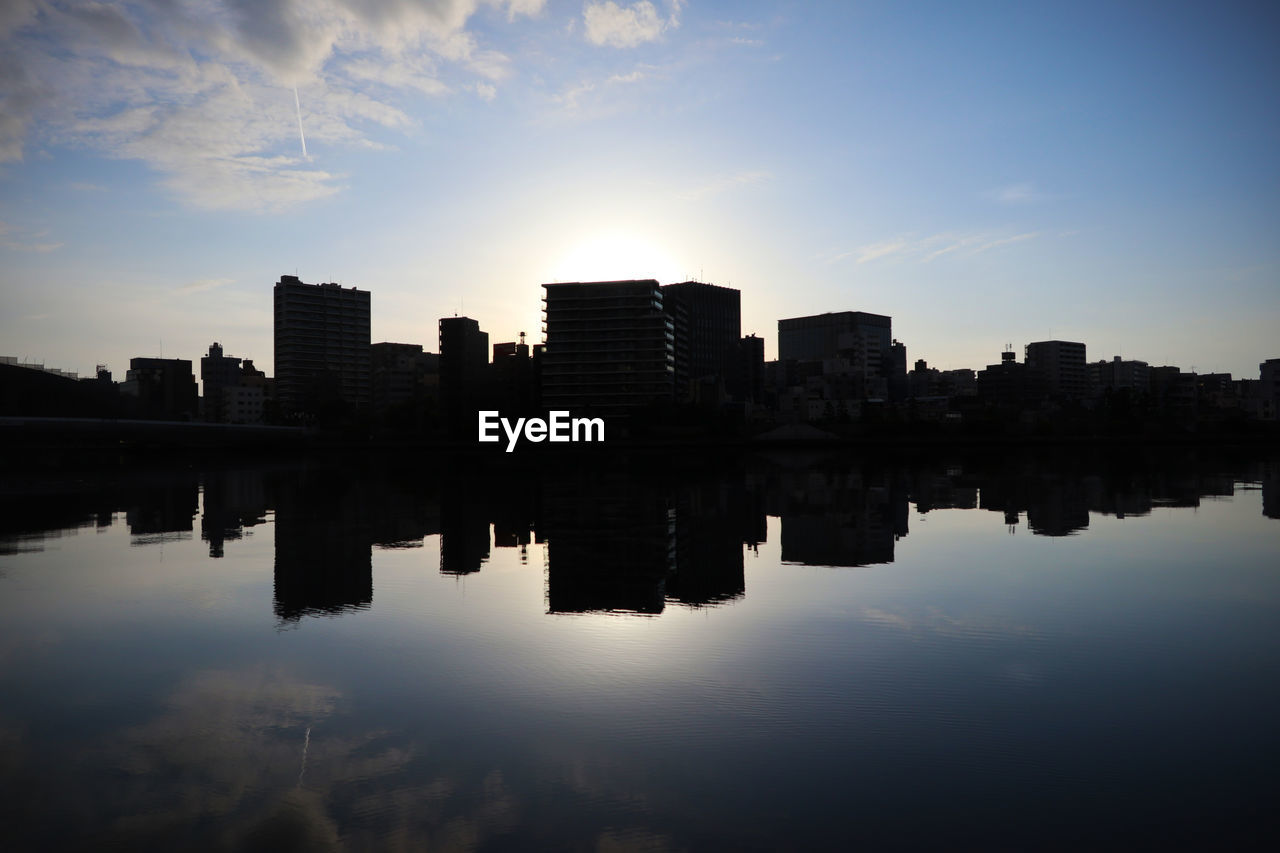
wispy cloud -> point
(203, 93)
(931, 248)
(1023, 193)
(574, 98)
(202, 285)
(607, 23)
(17, 239)
(724, 184)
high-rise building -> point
(1061, 366)
(610, 346)
(864, 339)
(464, 363)
(707, 320)
(321, 344)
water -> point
(1005, 651)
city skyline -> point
(983, 175)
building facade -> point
(610, 346)
(321, 345)
(464, 364)
(165, 388)
(707, 321)
(865, 340)
(1061, 366)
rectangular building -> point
(321, 344)
(610, 346)
(165, 388)
(464, 365)
(861, 338)
(1061, 366)
(707, 320)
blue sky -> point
(986, 173)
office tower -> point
(1061, 366)
(864, 339)
(707, 320)
(609, 347)
(464, 363)
(321, 345)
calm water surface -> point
(783, 652)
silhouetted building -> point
(217, 373)
(864, 339)
(165, 388)
(1009, 382)
(609, 348)
(1118, 375)
(464, 362)
(897, 371)
(745, 383)
(401, 372)
(1061, 365)
(513, 377)
(707, 320)
(321, 346)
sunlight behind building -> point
(617, 255)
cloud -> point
(203, 92)
(607, 23)
(928, 249)
(571, 99)
(203, 284)
(17, 239)
(725, 184)
(1024, 193)
(880, 250)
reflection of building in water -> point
(323, 536)
(33, 510)
(713, 521)
(1059, 507)
(464, 527)
(610, 543)
(840, 517)
(162, 508)
(233, 500)
(1271, 488)
(402, 515)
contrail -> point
(300, 136)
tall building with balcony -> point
(321, 345)
(610, 346)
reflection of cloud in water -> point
(934, 620)
(228, 751)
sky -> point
(985, 173)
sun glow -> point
(616, 256)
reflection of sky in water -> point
(1034, 690)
